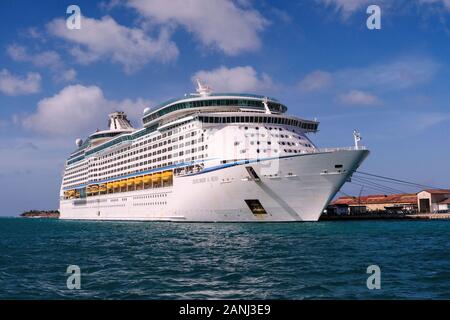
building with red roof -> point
(375, 202)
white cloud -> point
(78, 110)
(133, 108)
(105, 38)
(315, 80)
(444, 3)
(237, 79)
(428, 120)
(359, 98)
(14, 85)
(68, 75)
(34, 33)
(348, 7)
(403, 73)
(219, 24)
(45, 59)
(400, 74)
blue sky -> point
(316, 56)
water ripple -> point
(129, 260)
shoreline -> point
(417, 216)
(53, 214)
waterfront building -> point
(375, 203)
(434, 201)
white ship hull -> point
(299, 191)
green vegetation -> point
(40, 214)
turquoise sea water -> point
(155, 260)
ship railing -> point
(322, 150)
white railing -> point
(320, 150)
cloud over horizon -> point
(351, 85)
(106, 39)
(218, 24)
(315, 81)
(14, 85)
(237, 79)
(358, 98)
(347, 8)
(45, 59)
(78, 110)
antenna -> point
(266, 105)
(357, 137)
(199, 84)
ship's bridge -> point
(206, 101)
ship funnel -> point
(118, 121)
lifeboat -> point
(94, 189)
(167, 175)
(122, 183)
(156, 177)
(138, 180)
(109, 185)
(130, 182)
(147, 178)
(102, 188)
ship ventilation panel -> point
(255, 206)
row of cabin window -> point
(154, 160)
(75, 177)
(161, 165)
(143, 155)
(121, 156)
(259, 119)
(125, 138)
(164, 135)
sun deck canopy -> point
(216, 102)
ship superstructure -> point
(206, 157)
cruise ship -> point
(206, 157)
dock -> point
(387, 216)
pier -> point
(386, 216)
